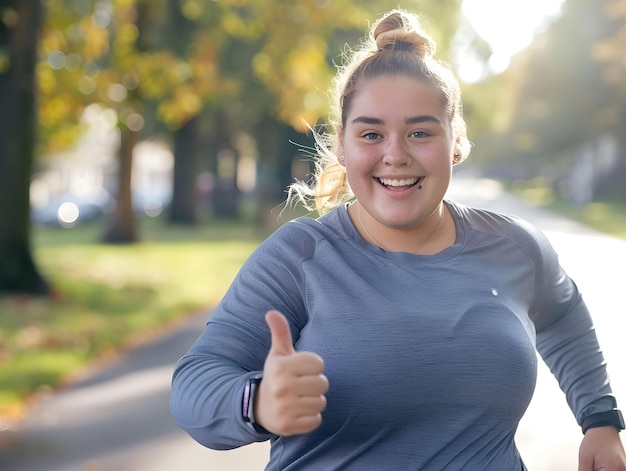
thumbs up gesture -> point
(290, 397)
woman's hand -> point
(602, 450)
(290, 397)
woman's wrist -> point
(250, 402)
(612, 418)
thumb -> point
(281, 334)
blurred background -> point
(146, 146)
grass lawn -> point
(109, 297)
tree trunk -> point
(183, 209)
(121, 227)
(18, 272)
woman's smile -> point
(399, 184)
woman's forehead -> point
(397, 96)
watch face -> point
(247, 406)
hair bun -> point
(401, 31)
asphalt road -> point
(116, 418)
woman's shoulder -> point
(333, 222)
(497, 224)
(492, 221)
(304, 233)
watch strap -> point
(612, 417)
(247, 403)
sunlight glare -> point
(509, 26)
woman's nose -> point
(396, 153)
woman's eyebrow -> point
(367, 120)
(413, 120)
(423, 119)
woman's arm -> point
(567, 341)
(209, 380)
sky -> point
(508, 26)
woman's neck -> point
(432, 236)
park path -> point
(116, 418)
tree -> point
(608, 51)
(194, 36)
(114, 55)
(129, 42)
(20, 22)
(90, 56)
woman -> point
(398, 330)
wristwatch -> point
(603, 419)
(247, 403)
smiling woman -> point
(396, 317)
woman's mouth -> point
(399, 183)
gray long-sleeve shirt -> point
(431, 360)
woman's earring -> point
(457, 157)
(342, 157)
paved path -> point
(116, 418)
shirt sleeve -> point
(566, 338)
(209, 380)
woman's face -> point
(398, 146)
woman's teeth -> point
(400, 182)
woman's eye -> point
(371, 136)
(419, 134)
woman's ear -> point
(457, 157)
(340, 152)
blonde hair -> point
(396, 45)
